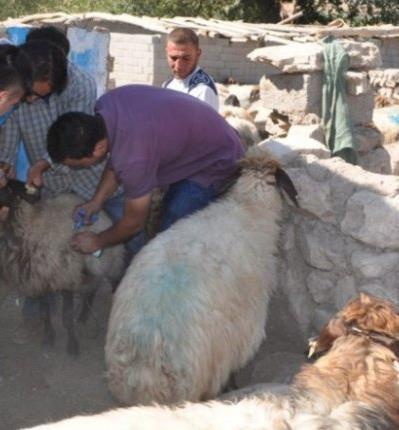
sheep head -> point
(15, 190)
(368, 314)
(258, 161)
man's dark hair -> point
(48, 63)
(15, 68)
(183, 35)
(74, 135)
(51, 34)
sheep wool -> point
(36, 258)
(191, 308)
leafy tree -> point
(355, 12)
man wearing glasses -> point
(56, 87)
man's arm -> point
(206, 94)
(133, 220)
(81, 93)
(106, 187)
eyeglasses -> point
(36, 95)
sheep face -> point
(15, 190)
(364, 313)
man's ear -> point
(100, 148)
(199, 52)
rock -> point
(308, 57)
(299, 132)
(357, 83)
(301, 94)
(371, 265)
(367, 138)
(373, 219)
(287, 149)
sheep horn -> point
(283, 181)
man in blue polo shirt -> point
(183, 53)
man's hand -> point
(35, 173)
(86, 242)
(89, 208)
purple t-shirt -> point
(158, 136)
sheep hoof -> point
(73, 347)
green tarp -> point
(335, 114)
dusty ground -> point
(39, 385)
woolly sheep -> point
(353, 387)
(192, 306)
(36, 258)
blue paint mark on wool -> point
(394, 118)
(167, 303)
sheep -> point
(242, 122)
(36, 258)
(353, 387)
(365, 313)
(191, 308)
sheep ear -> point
(283, 182)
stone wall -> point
(344, 239)
(141, 58)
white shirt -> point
(198, 84)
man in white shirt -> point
(183, 53)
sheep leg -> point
(231, 384)
(67, 321)
(49, 332)
(88, 299)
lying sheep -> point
(353, 387)
(192, 306)
(242, 122)
(36, 258)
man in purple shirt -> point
(154, 138)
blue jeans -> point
(182, 199)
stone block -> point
(361, 108)
(287, 149)
(371, 265)
(357, 83)
(373, 219)
(367, 138)
(292, 93)
(308, 57)
(313, 131)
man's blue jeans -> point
(182, 199)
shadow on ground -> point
(39, 385)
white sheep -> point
(353, 387)
(36, 258)
(191, 308)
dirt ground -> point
(38, 385)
